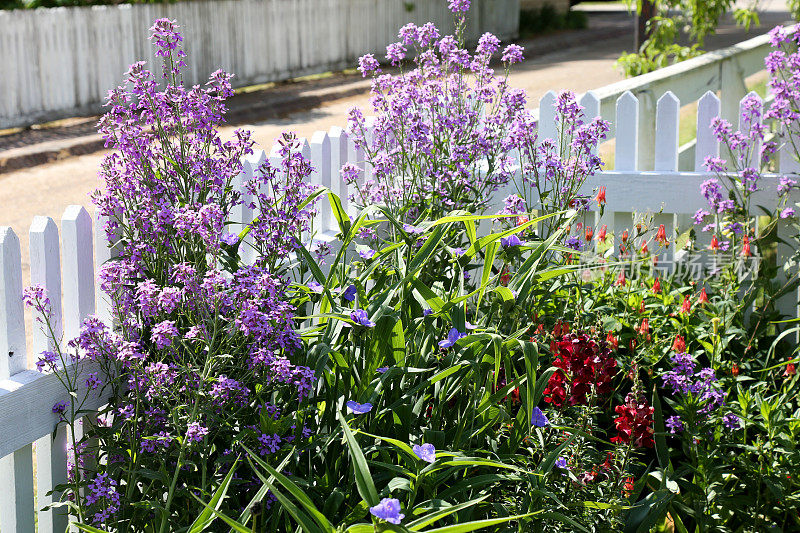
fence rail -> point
(69, 263)
(60, 62)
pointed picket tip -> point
(256, 159)
(668, 98)
(320, 137)
(8, 237)
(43, 225)
(78, 214)
(591, 105)
(627, 99)
(337, 132)
(274, 152)
(709, 96)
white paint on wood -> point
(13, 357)
(789, 150)
(625, 157)
(746, 125)
(548, 128)
(339, 154)
(708, 107)
(322, 163)
(78, 279)
(16, 487)
(666, 147)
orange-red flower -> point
(746, 247)
(734, 370)
(702, 297)
(601, 196)
(625, 236)
(612, 340)
(661, 235)
(601, 235)
(589, 234)
(645, 250)
(522, 220)
(657, 286)
(714, 243)
(791, 370)
(678, 345)
(686, 307)
(621, 279)
(644, 327)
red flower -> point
(620, 279)
(746, 247)
(734, 370)
(625, 236)
(678, 345)
(589, 234)
(644, 327)
(601, 196)
(601, 235)
(714, 243)
(522, 220)
(657, 286)
(505, 277)
(661, 236)
(612, 340)
(627, 488)
(645, 250)
(703, 297)
(790, 370)
(634, 423)
(583, 365)
(686, 307)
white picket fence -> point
(68, 264)
(60, 62)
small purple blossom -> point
(426, 452)
(359, 408)
(350, 293)
(196, 432)
(452, 337)
(411, 229)
(59, 408)
(313, 286)
(511, 240)
(731, 421)
(367, 64)
(367, 254)
(538, 418)
(458, 6)
(561, 463)
(674, 424)
(360, 317)
(388, 510)
(512, 54)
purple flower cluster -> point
(440, 137)
(102, 491)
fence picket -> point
(707, 145)
(322, 163)
(339, 144)
(51, 450)
(547, 117)
(16, 469)
(625, 157)
(787, 158)
(77, 258)
(666, 146)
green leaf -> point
(88, 529)
(662, 451)
(205, 518)
(478, 524)
(366, 487)
(339, 213)
(430, 518)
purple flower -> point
(367, 64)
(369, 253)
(388, 510)
(512, 54)
(314, 286)
(395, 53)
(427, 311)
(511, 240)
(574, 242)
(382, 370)
(452, 337)
(561, 463)
(731, 421)
(674, 424)
(359, 408)
(350, 293)
(426, 452)
(788, 212)
(230, 239)
(59, 408)
(196, 432)
(539, 419)
(163, 333)
(458, 252)
(361, 318)
(413, 230)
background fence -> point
(60, 62)
(66, 264)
